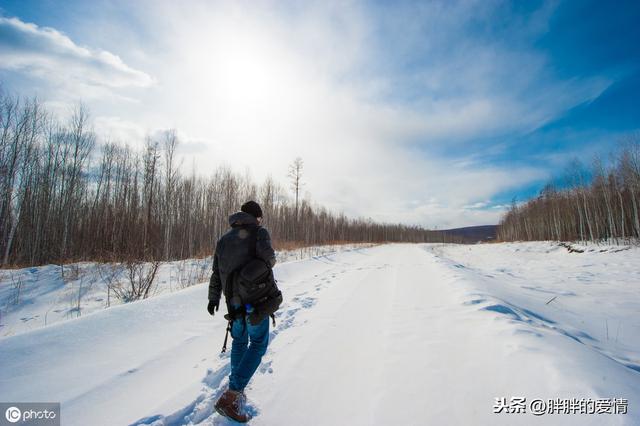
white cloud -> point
(116, 129)
(49, 54)
(254, 85)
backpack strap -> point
(253, 242)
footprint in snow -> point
(291, 312)
(265, 368)
(308, 302)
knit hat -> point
(252, 208)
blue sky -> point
(435, 113)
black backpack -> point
(254, 284)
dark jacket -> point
(233, 250)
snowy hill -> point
(394, 334)
(474, 234)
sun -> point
(241, 71)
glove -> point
(213, 306)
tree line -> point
(67, 196)
(596, 203)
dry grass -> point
(108, 257)
(296, 245)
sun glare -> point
(242, 72)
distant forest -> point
(67, 197)
(595, 203)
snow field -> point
(394, 334)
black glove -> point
(212, 307)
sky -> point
(430, 113)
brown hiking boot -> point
(231, 405)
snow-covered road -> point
(395, 334)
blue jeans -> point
(249, 345)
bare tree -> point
(79, 142)
(170, 179)
(295, 175)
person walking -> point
(243, 243)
